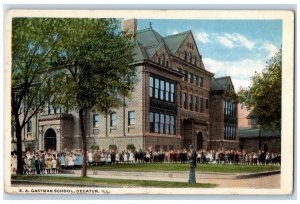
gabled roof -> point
(215, 86)
(175, 41)
(148, 41)
(148, 37)
(140, 52)
(223, 81)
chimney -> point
(130, 27)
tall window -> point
(113, 119)
(191, 78)
(172, 92)
(185, 100)
(186, 75)
(201, 81)
(206, 104)
(229, 132)
(191, 102)
(162, 123)
(131, 117)
(156, 90)
(167, 91)
(156, 122)
(197, 103)
(29, 126)
(151, 122)
(167, 124)
(197, 80)
(162, 89)
(151, 87)
(172, 124)
(201, 105)
(96, 121)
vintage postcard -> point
(149, 102)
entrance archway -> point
(199, 140)
(50, 139)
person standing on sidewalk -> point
(193, 165)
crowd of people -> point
(53, 162)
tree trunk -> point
(19, 149)
(82, 112)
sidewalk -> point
(172, 175)
(269, 179)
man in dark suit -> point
(193, 165)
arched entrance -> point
(50, 139)
(199, 140)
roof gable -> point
(149, 37)
(175, 41)
(224, 82)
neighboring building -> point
(253, 138)
(176, 102)
(223, 113)
(243, 112)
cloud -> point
(232, 40)
(225, 41)
(270, 48)
(203, 37)
(240, 40)
(240, 71)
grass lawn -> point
(186, 167)
(75, 181)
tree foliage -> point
(33, 46)
(81, 64)
(96, 58)
(264, 94)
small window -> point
(29, 126)
(131, 117)
(113, 119)
(51, 108)
(206, 104)
(96, 121)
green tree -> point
(33, 45)
(264, 94)
(96, 58)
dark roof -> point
(174, 41)
(219, 84)
(140, 52)
(223, 81)
(215, 86)
(254, 133)
(148, 41)
(148, 37)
